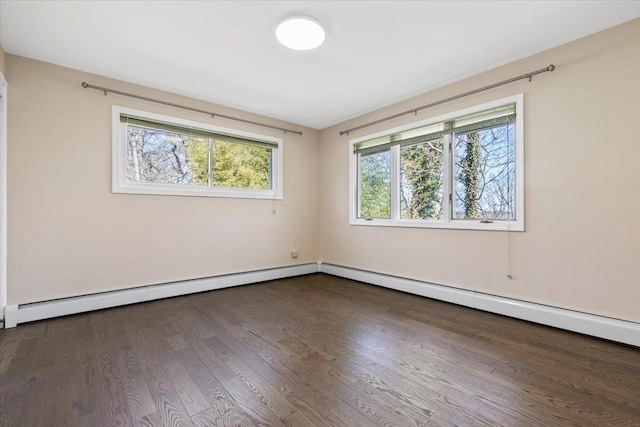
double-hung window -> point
(460, 170)
(155, 154)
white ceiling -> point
(375, 54)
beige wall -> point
(69, 235)
(581, 247)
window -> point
(460, 170)
(154, 154)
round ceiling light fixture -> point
(300, 32)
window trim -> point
(447, 222)
(120, 184)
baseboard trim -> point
(16, 314)
(589, 324)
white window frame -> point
(447, 221)
(3, 197)
(120, 183)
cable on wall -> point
(442, 101)
(184, 107)
(509, 252)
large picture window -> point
(155, 154)
(461, 170)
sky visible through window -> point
(484, 170)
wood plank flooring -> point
(315, 350)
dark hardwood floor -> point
(310, 351)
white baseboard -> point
(15, 314)
(10, 316)
(589, 324)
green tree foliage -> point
(470, 171)
(198, 159)
(421, 186)
(241, 165)
(375, 185)
(233, 165)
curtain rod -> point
(184, 107)
(442, 101)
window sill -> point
(453, 225)
(171, 190)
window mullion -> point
(210, 164)
(358, 186)
(448, 178)
(395, 182)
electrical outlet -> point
(294, 253)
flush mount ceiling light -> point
(300, 32)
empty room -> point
(331, 213)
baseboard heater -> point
(15, 314)
(622, 331)
(589, 324)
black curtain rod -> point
(184, 107)
(442, 101)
